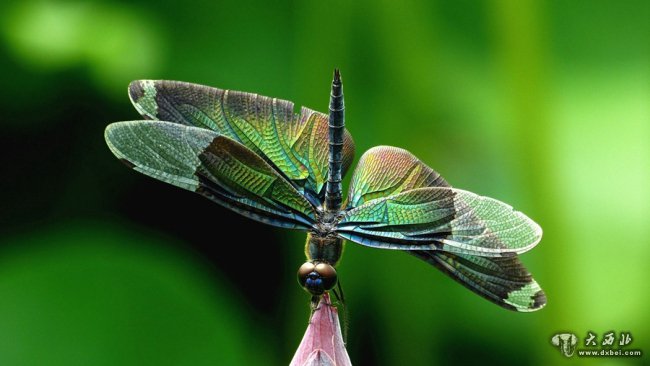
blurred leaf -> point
(90, 294)
(118, 43)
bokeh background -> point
(544, 105)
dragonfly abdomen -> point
(336, 130)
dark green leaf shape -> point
(88, 293)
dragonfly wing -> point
(441, 218)
(296, 145)
(213, 165)
(502, 280)
(397, 202)
(385, 170)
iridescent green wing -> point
(397, 202)
(502, 280)
(296, 145)
(213, 165)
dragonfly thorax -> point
(324, 245)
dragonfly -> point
(259, 158)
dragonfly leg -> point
(340, 297)
(315, 300)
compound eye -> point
(327, 274)
(304, 271)
(317, 278)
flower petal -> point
(322, 344)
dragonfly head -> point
(317, 277)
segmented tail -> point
(336, 128)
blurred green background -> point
(544, 105)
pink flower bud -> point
(323, 343)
